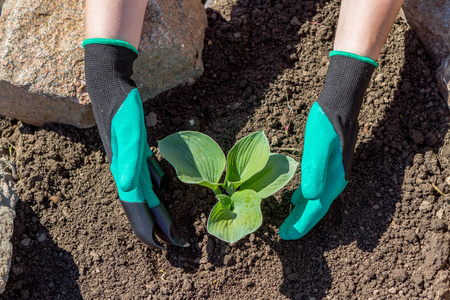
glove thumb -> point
(320, 139)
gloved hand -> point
(119, 115)
(330, 138)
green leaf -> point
(195, 156)
(278, 171)
(233, 218)
(247, 157)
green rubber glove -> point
(130, 152)
(119, 114)
(323, 176)
(330, 138)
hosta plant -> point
(252, 173)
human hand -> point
(330, 138)
(323, 176)
(120, 119)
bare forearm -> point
(364, 25)
(115, 19)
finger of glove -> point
(134, 195)
(297, 197)
(307, 213)
(288, 230)
(320, 137)
(128, 137)
(147, 186)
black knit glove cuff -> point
(341, 99)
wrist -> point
(347, 80)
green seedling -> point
(252, 173)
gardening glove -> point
(330, 138)
(119, 115)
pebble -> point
(151, 119)
(187, 285)
(400, 275)
(392, 290)
(425, 206)
(54, 199)
(42, 237)
(296, 21)
(26, 242)
(275, 141)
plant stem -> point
(216, 190)
(230, 188)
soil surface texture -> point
(385, 237)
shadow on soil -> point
(39, 268)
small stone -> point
(151, 119)
(26, 242)
(237, 35)
(187, 285)
(296, 21)
(400, 275)
(42, 237)
(236, 105)
(425, 206)
(411, 236)
(51, 284)
(392, 290)
(275, 141)
(95, 256)
(440, 214)
(54, 199)
(376, 206)
(322, 71)
(375, 292)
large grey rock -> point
(8, 200)
(430, 19)
(42, 60)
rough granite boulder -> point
(8, 200)
(42, 60)
(430, 19)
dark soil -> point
(385, 237)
